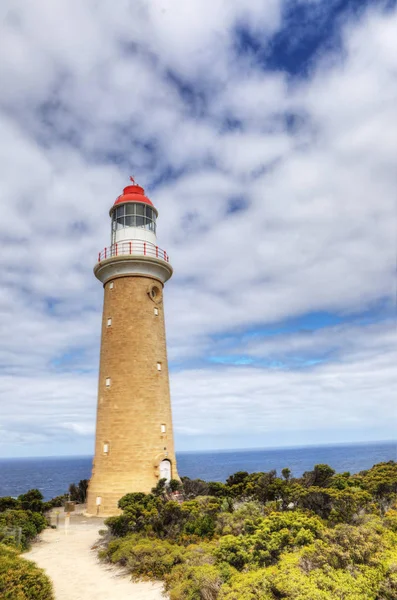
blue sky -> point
(264, 133)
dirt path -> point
(75, 570)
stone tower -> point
(134, 445)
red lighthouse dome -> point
(133, 193)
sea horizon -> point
(221, 450)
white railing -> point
(134, 247)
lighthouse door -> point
(165, 470)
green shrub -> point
(388, 586)
(32, 500)
(245, 519)
(233, 550)
(78, 493)
(195, 487)
(145, 557)
(6, 502)
(243, 540)
(26, 524)
(345, 546)
(321, 476)
(55, 502)
(339, 506)
(281, 531)
(21, 579)
(247, 586)
(175, 485)
(119, 526)
(267, 487)
(200, 516)
(288, 580)
(200, 554)
(217, 489)
(381, 480)
(390, 519)
(155, 515)
(202, 526)
(272, 536)
(194, 583)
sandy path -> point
(75, 570)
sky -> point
(265, 133)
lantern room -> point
(133, 216)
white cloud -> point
(351, 392)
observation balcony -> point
(133, 248)
(133, 258)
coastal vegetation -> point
(21, 579)
(323, 536)
(21, 520)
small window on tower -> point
(109, 321)
(155, 293)
(111, 285)
(163, 429)
(108, 381)
(106, 448)
(159, 366)
(156, 312)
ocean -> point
(53, 475)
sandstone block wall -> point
(134, 406)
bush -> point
(381, 480)
(7, 502)
(32, 500)
(119, 526)
(390, 519)
(281, 531)
(244, 540)
(217, 489)
(21, 579)
(26, 525)
(194, 487)
(388, 586)
(78, 493)
(194, 583)
(234, 551)
(346, 546)
(247, 586)
(140, 512)
(55, 502)
(339, 506)
(175, 485)
(321, 476)
(288, 580)
(244, 519)
(155, 515)
(144, 557)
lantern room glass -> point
(133, 214)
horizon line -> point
(223, 450)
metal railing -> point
(11, 534)
(133, 248)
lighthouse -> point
(134, 445)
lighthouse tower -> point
(134, 445)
